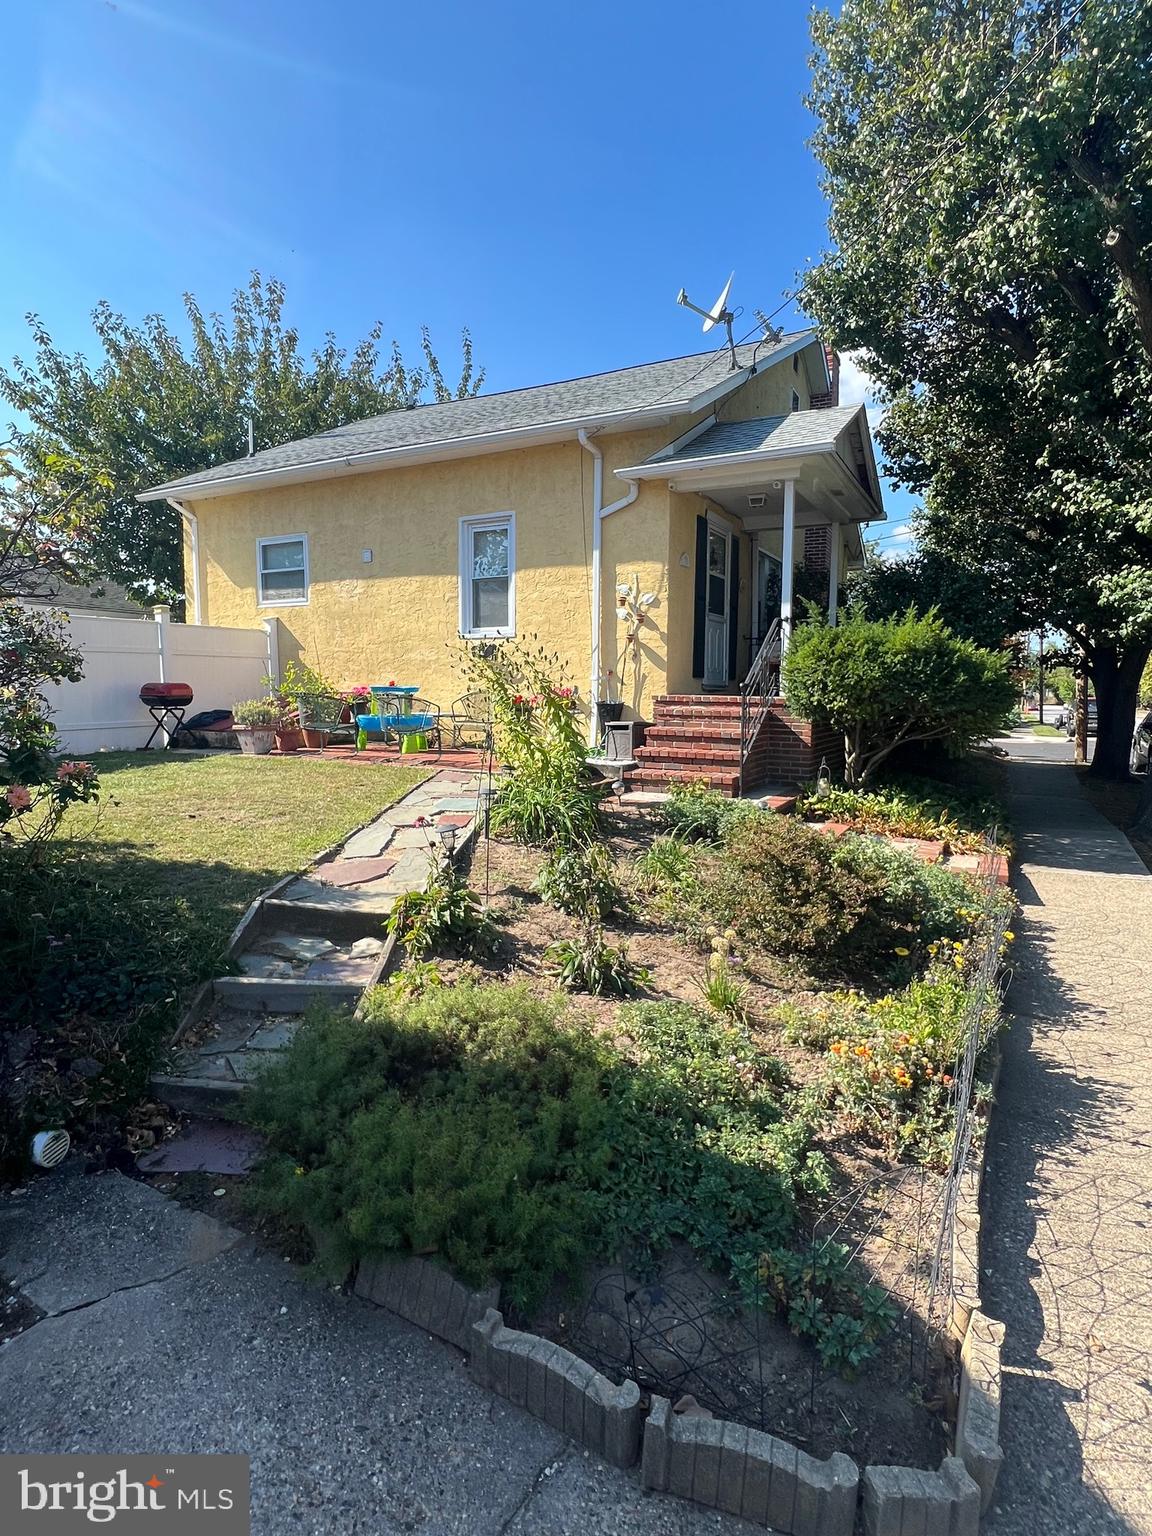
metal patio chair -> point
(470, 718)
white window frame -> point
(479, 522)
(283, 602)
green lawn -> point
(1046, 730)
(217, 830)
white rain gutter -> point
(189, 517)
(599, 513)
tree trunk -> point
(1117, 680)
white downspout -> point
(194, 539)
(599, 513)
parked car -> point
(1141, 744)
(1070, 722)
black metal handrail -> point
(757, 691)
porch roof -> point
(725, 459)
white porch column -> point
(787, 560)
(834, 537)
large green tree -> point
(988, 166)
(163, 402)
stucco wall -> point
(398, 616)
(769, 393)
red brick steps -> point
(696, 737)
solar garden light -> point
(448, 835)
(823, 780)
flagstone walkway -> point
(319, 938)
(1068, 1231)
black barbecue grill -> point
(164, 702)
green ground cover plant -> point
(908, 806)
(486, 1126)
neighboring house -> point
(47, 589)
(380, 544)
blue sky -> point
(548, 176)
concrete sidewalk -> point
(1068, 1233)
(168, 1331)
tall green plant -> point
(547, 797)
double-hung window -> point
(282, 571)
(488, 575)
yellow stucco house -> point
(709, 480)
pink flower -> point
(18, 797)
(71, 770)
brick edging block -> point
(748, 1473)
(423, 1293)
(558, 1387)
(902, 1499)
(978, 1410)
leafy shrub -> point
(825, 1298)
(778, 885)
(444, 915)
(589, 963)
(910, 903)
(94, 962)
(889, 682)
(695, 813)
(667, 863)
(581, 882)
(841, 906)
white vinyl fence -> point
(103, 710)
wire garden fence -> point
(681, 1331)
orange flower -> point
(864, 1053)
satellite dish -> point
(716, 313)
(719, 314)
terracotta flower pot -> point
(289, 739)
(315, 739)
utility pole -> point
(1040, 673)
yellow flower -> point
(299, 1173)
(901, 951)
(1008, 936)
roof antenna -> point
(719, 314)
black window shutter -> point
(734, 606)
(700, 605)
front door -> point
(768, 585)
(716, 614)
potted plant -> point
(313, 695)
(255, 725)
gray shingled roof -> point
(651, 386)
(801, 431)
(49, 590)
